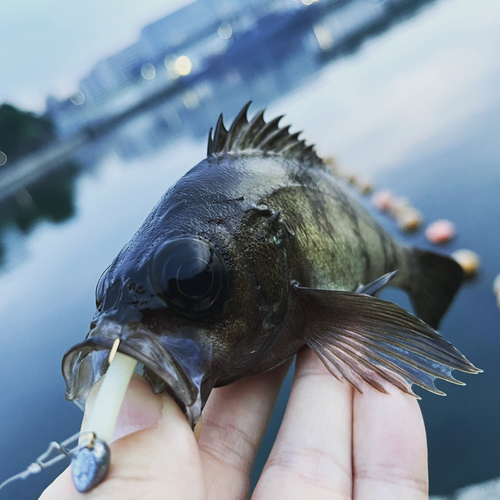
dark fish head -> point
(200, 294)
(197, 297)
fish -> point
(256, 252)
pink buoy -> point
(440, 231)
(383, 200)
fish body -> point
(255, 252)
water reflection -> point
(51, 198)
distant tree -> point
(22, 132)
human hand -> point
(334, 443)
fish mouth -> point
(173, 364)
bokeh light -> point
(323, 35)
(148, 71)
(169, 62)
(190, 100)
(183, 65)
(78, 98)
(3, 158)
(225, 31)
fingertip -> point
(394, 414)
(390, 446)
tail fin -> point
(435, 281)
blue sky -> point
(46, 46)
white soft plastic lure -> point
(90, 457)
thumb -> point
(154, 453)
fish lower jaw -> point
(87, 363)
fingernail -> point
(140, 409)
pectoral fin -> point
(368, 340)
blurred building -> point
(175, 30)
(216, 37)
(200, 31)
(115, 71)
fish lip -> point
(87, 361)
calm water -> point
(415, 107)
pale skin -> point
(334, 444)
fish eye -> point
(190, 275)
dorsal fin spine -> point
(272, 142)
(254, 136)
(237, 127)
(210, 149)
(254, 126)
(269, 128)
(220, 134)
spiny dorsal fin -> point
(246, 137)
